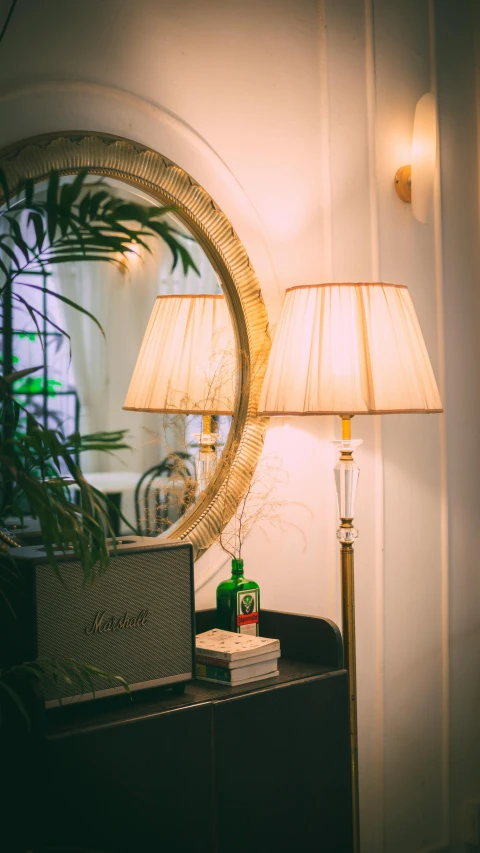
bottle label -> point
(247, 612)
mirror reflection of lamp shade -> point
(187, 361)
(348, 349)
(424, 154)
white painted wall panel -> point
(412, 588)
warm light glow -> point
(128, 260)
(187, 361)
(424, 153)
(348, 349)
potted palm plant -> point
(70, 222)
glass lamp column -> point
(346, 479)
(206, 461)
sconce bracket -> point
(403, 183)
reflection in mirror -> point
(186, 366)
(176, 440)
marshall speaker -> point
(136, 620)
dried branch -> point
(260, 506)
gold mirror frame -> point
(68, 153)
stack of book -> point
(231, 659)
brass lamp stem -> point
(207, 458)
(207, 430)
(346, 431)
(349, 662)
(346, 476)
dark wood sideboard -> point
(262, 767)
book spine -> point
(219, 673)
(206, 653)
(225, 664)
(228, 657)
(235, 664)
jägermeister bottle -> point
(238, 603)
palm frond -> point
(72, 222)
(52, 674)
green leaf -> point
(51, 207)
(84, 208)
(67, 301)
(33, 314)
(69, 193)
(6, 271)
(29, 188)
(95, 201)
(19, 374)
(17, 701)
(36, 220)
(18, 236)
(5, 189)
(11, 254)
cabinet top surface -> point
(122, 709)
(311, 648)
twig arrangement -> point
(259, 507)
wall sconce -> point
(127, 261)
(420, 174)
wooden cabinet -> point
(261, 767)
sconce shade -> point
(348, 349)
(187, 361)
(424, 153)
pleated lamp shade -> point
(187, 361)
(348, 349)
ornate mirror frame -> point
(137, 165)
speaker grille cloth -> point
(156, 581)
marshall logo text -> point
(100, 625)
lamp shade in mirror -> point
(348, 349)
(187, 361)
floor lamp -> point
(186, 365)
(348, 349)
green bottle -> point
(238, 603)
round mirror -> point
(188, 402)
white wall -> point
(294, 116)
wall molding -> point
(442, 427)
(377, 435)
(45, 106)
